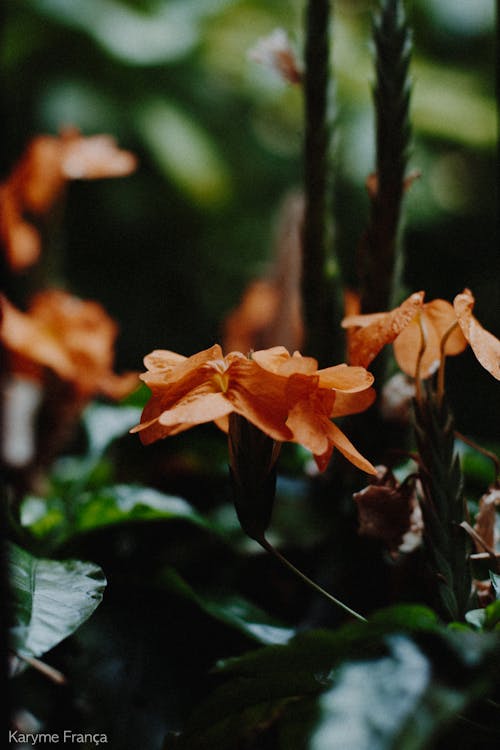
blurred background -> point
(169, 250)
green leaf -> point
(234, 611)
(137, 37)
(185, 153)
(51, 599)
(104, 424)
(485, 619)
(372, 700)
(106, 506)
(495, 582)
(355, 688)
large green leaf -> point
(369, 687)
(51, 599)
(232, 610)
(372, 701)
(106, 506)
(163, 34)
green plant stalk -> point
(317, 294)
(380, 261)
(446, 545)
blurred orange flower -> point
(404, 327)
(207, 387)
(315, 396)
(72, 337)
(485, 346)
(39, 178)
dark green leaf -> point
(51, 599)
(367, 690)
(119, 503)
(234, 611)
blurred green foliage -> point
(169, 250)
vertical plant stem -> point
(445, 542)
(318, 303)
(379, 263)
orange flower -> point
(39, 178)
(285, 397)
(207, 387)
(442, 329)
(404, 326)
(72, 337)
(485, 346)
(314, 396)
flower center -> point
(221, 377)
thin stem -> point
(269, 548)
(423, 346)
(50, 672)
(442, 363)
(479, 539)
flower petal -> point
(352, 403)
(345, 378)
(383, 328)
(484, 344)
(199, 406)
(348, 450)
(259, 396)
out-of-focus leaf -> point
(51, 599)
(184, 152)
(234, 611)
(475, 465)
(134, 37)
(495, 582)
(392, 691)
(485, 619)
(105, 423)
(119, 503)
(161, 34)
(371, 701)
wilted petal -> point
(484, 344)
(485, 524)
(438, 324)
(390, 512)
(375, 331)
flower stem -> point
(269, 548)
(318, 303)
(380, 259)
